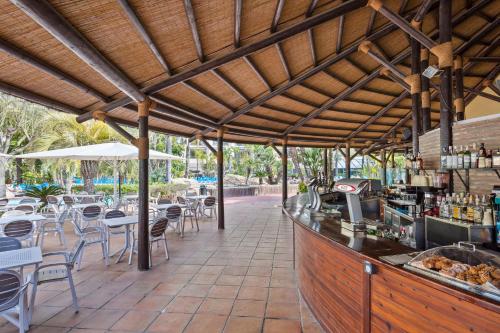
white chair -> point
(52, 224)
(27, 201)
(12, 299)
(91, 235)
(57, 271)
(26, 208)
(209, 204)
(190, 211)
(113, 231)
(174, 215)
(157, 231)
(88, 215)
(20, 229)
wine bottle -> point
(467, 158)
(454, 158)
(473, 156)
(481, 160)
(460, 158)
(449, 158)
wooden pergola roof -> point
(263, 69)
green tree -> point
(62, 131)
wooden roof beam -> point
(371, 22)
(208, 95)
(312, 46)
(283, 61)
(259, 75)
(277, 15)
(188, 7)
(341, 80)
(238, 7)
(379, 114)
(476, 37)
(494, 60)
(340, 33)
(230, 84)
(237, 53)
(358, 85)
(141, 30)
(46, 16)
(482, 94)
(422, 10)
(311, 8)
(38, 63)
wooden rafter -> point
(476, 37)
(238, 7)
(141, 30)
(188, 7)
(38, 63)
(230, 84)
(52, 21)
(283, 61)
(312, 46)
(237, 53)
(257, 72)
(311, 8)
(340, 33)
(277, 15)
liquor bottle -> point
(449, 158)
(457, 212)
(467, 158)
(496, 159)
(443, 210)
(470, 210)
(460, 159)
(444, 157)
(488, 162)
(481, 160)
(420, 162)
(473, 156)
(463, 209)
(478, 212)
(454, 158)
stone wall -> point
(479, 130)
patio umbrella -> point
(112, 151)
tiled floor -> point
(236, 280)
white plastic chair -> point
(12, 299)
(20, 229)
(54, 224)
(91, 235)
(57, 271)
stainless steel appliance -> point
(409, 230)
(439, 232)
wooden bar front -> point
(344, 298)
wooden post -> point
(325, 164)
(384, 167)
(393, 162)
(415, 91)
(445, 30)
(425, 94)
(284, 165)
(407, 172)
(459, 88)
(186, 170)
(348, 160)
(143, 227)
(220, 178)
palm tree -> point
(62, 131)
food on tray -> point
(477, 275)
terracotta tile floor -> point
(239, 280)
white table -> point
(125, 221)
(31, 217)
(85, 205)
(164, 206)
(20, 258)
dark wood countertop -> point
(329, 227)
(370, 249)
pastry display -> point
(476, 275)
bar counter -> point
(334, 279)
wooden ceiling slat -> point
(188, 7)
(238, 6)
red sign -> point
(345, 188)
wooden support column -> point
(284, 165)
(384, 167)
(446, 99)
(186, 169)
(143, 227)
(425, 94)
(220, 178)
(407, 173)
(415, 90)
(459, 88)
(325, 164)
(348, 160)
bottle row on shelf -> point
(466, 208)
(460, 158)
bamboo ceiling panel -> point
(285, 90)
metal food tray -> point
(486, 290)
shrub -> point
(164, 189)
(43, 191)
(302, 187)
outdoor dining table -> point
(85, 205)
(20, 258)
(125, 221)
(31, 217)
